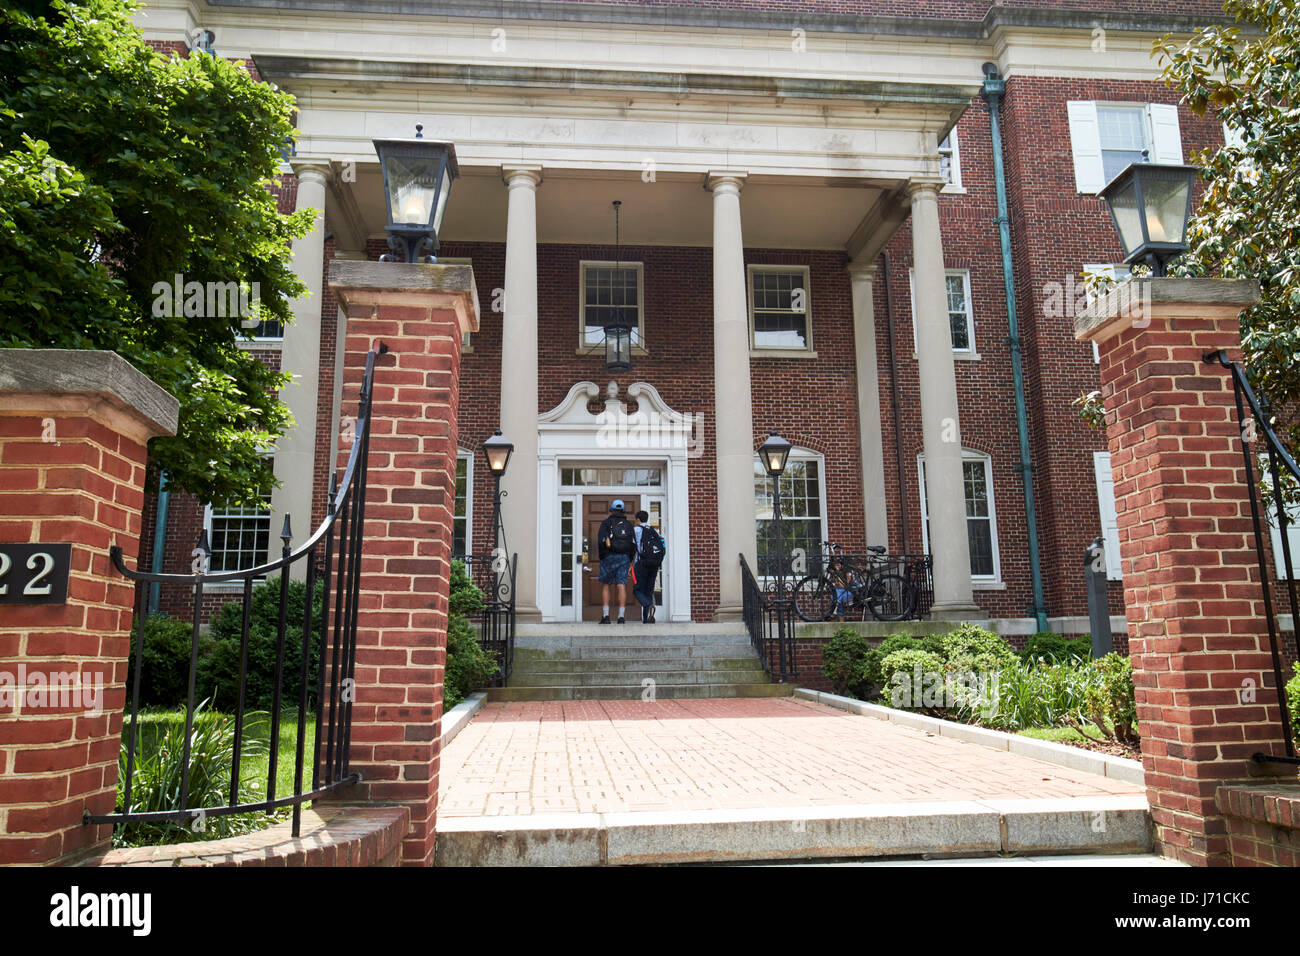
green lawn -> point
(1060, 735)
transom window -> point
(961, 315)
(1123, 133)
(803, 509)
(779, 307)
(239, 535)
(981, 521)
(611, 477)
(611, 292)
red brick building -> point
(808, 243)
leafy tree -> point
(120, 169)
(1247, 224)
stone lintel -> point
(358, 283)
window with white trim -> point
(981, 517)
(803, 508)
(1107, 513)
(268, 330)
(239, 535)
(1107, 137)
(1119, 273)
(779, 308)
(609, 291)
(466, 344)
(950, 161)
(961, 313)
(462, 519)
(1275, 526)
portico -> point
(724, 163)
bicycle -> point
(844, 588)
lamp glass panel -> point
(411, 190)
(1166, 208)
(1124, 207)
(444, 190)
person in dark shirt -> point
(649, 557)
(615, 546)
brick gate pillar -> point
(1198, 637)
(420, 313)
(73, 431)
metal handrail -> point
(765, 611)
(1277, 456)
(496, 579)
(346, 514)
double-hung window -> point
(463, 506)
(1106, 137)
(239, 535)
(981, 518)
(803, 509)
(961, 314)
(779, 313)
(611, 293)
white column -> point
(295, 454)
(519, 510)
(940, 425)
(733, 415)
(862, 277)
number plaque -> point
(34, 573)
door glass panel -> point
(655, 508)
(566, 552)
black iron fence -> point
(1282, 473)
(332, 555)
(495, 577)
(769, 617)
(875, 585)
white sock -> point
(606, 606)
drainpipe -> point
(159, 536)
(893, 401)
(993, 90)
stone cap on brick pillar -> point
(77, 373)
(1139, 302)
(433, 286)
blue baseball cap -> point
(617, 505)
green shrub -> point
(1040, 694)
(968, 647)
(1293, 706)
(156, 784)
(469, 667)
(904, 663)
(871, 665)
(1056, 648)
(165, 678)
(844, 662)
(219, 668)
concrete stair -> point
(629, 662)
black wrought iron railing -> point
(333, 556)
(874, 585)
(495, 577)
(1282, 470)
(769, 617)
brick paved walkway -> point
(611, 756)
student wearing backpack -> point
(650, 550)
(616, 546)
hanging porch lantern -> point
(417, 181)
(618, 333)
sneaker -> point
(605, 619)
(621, 621)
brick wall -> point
(72, 465)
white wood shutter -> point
(1166, 139)
(1109, 519)
(1085, 141)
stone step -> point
(635, 678)
(632, 626)
(619, 692)
(638, 665)
(620, 639)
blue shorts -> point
(613, 568)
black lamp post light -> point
(618, 332)
(417, 180)
(1151, 205)
(774, 453)
(497, 450)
